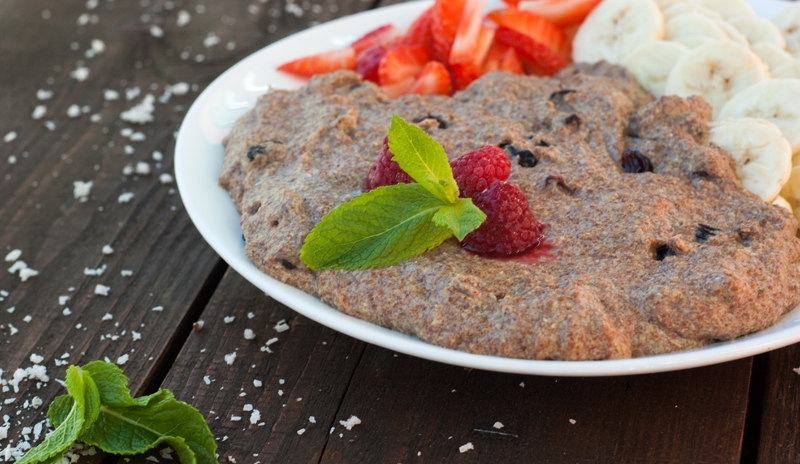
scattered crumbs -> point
(299, 400)
(10, 137)
(141, 113)
(180, 89)
(107, 250)
(39, 112)
(465, 448)
(128, 150)
(12, 159)
(211, 40)
(13, 255)
(125, 197)
(255, 416)
(242, 394)
(249, 334)
(66, 312)
(229, 358)
(281, 381)
(229, 319)
(301, 431)
(101, 289)
(522, 384)
(351, 422)
(126, 273)
(17, 266)
(43, 94)
(98, 46)
(572, 421)
(136, 335)
(110, 95)
(312, 419)
(158, 156)
(498, 425)
(257, 383)
(280, 392)
(95, 272)
(419, 453)
(108, 316)
(25, 274)
(62, 300)
(198, 326)
(27, 319)
(81, 190)
(332, 429)
(122, 359)
(236, 418)
(265, 348)
(281, 326)
(36, 359)
(158, 309)
(183, 18)
(74, 111)
(12, 330)
(251, 315)
(156, 31)
(796, 370)
(80, 74)
(50, 125)
(143, 168)
(207, 380)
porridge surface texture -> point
(646, 263)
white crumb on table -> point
(498, 425)
(229, 358)
(141, 113)
(122, 359)
(101, 289)
(229, 319)
(13, 255)
(81, 190)
(125, 197)
(466, 447)
(25, 274)
(351, 422)
(80, 74)
(249, 334)
(281, 326)
(158, 309)
(10, 137)
(255, 416)
(107, 250)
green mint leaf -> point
(84, 410)
(112, 385)
(379, 228)
(423, 159)
(137, 428)
(461, 218)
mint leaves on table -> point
(100, 411)
(391, 224)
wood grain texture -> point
(305, 375)
(412, 406)
(779, 441)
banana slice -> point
(780, 201)
(716, 71)
(791, 190)
(652, 62)
(762, 156)
(729, 8)
(790, 70)
(772, 56)
(680, 8)
(692, 29)
(776, 100)
(788, 21)
(758, 30)
(664, 4)
(615, 28)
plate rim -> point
(328, 316)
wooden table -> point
(411, 410)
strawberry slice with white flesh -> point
(485, 41)
(542, 59)
(321, 63)
(402, 62)
(534, 26)
(434, 80)
(510, 62)
(561, 12)
(465, 45)
(378, 36)
(399, 88)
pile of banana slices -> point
(746, 67)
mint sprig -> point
(100, 407)
(394, 223)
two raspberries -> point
(510, 227)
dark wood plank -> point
(420, 411)
(779, 413)
(305, 375)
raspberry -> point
(510, 227)
(475, 171)
(385, 171)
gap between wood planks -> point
(751, 435)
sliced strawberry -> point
(560, 12)
(534, 26)
(402, 62)
(494, 57)
(485, 41)
(420, 31)
(399, 88)
(511, 3)
(434, 80)
(464, 74)
(321, 63)
(510, 62)
(465, 44)
(379, 36)
(542, 57)
(446, 18)
(368, 61)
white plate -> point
(198, 160)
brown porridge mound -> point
(647, 263)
